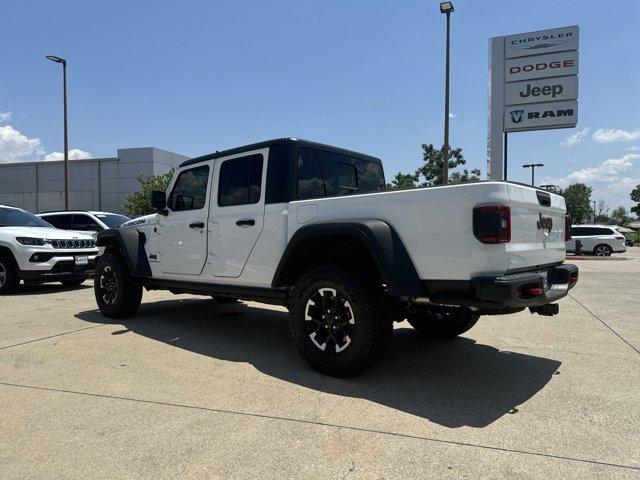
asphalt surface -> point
(191, 389)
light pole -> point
(446, 8)
(533, 171)
(594, 211)
(53, 58)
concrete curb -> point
(599, 259)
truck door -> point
(237, 211)
(182, 236)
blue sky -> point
(195, 77)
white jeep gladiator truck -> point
(309, 226)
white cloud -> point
(4, 116)
(632, 148)
(452, 115)
(609, 135)
(575, 138)
(75, 154)
(607, 171)
(17, 147)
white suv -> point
(33, 251)
(600, 240)
(86, 222)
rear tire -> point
(73, 283)
(443, 322)
(117, 293)
(602, 250)
(340, 324)
(8, 276)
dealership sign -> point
(533, 85)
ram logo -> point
(516, 115)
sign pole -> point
(505, 155)
(495, 142)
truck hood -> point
(43, 232)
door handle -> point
(196, 225)
(246, 222)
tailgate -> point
(537, 227)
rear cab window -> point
(329, 174)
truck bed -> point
(436, 226)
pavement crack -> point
(54, 336)
(302, 421)
(605, 324)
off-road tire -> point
(121, 299)
(73, 283)
(372, 321)
(9, 279)
(443, 322)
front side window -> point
(84, 223)
(240, 181)
(62, 222)
(190, 190)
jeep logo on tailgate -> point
(544, 223)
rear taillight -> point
(492, 223)
(567, 227)
(618, 237)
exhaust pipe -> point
(547, 310)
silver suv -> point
(600, 240)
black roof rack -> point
(276, 141)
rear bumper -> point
(517, 290)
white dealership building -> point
(94, 184)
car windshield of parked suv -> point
(112, 220)
(11, 217)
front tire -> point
(8, 276)
(340, 324)
(443, 322)
(602, 250)
(117, 293)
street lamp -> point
(55, 59)
(446, 8)
(533, 170)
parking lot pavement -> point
(191, 389)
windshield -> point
(12, 217)
(112, 220)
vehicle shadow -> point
(45, 288)
(452, 383)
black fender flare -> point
(384, 244)
(130, 243)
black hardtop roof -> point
(277, 141)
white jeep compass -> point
(33, 251)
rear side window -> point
(190, 190)
(322, 173)
(59, 221)
(310, 183)
(604, 231)
(240, 181)
(84, 223)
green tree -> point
(578, 199)
(602, 213)
(403, 181)
(431, 169)
(635, 196)
(137, 204)
(554, 189)
(620, 217)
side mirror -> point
(159, 202)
